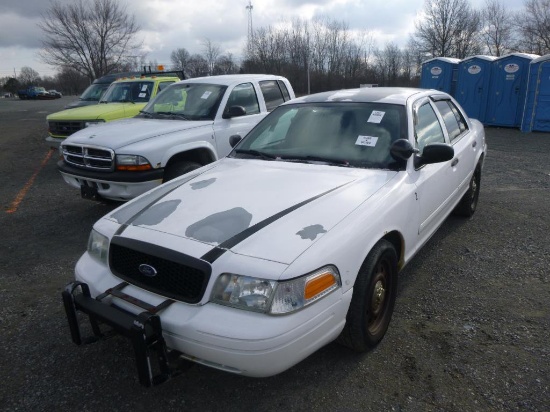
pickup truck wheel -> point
(373, 299)
(179, 168)
(467, 205)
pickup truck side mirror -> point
(233, 140)
(434, 153)
(234, 111)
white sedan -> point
(296, 239)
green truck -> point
(124, 98)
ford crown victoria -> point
(294, 240)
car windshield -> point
(341, 134)
(94, 92)
(189, 101)
(133, 91)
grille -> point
(178, 276)
(65, 128)
(89, 157)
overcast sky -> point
(171, 24)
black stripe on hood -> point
(223, 247)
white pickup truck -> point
(190, 124)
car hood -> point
(106, 111)
(271, 210)
(128, 131)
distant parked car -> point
(252, 263)
(55, 93)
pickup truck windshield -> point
(135, 91)
(189, 101)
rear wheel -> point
(467, 205)
(373, 299)
(179, 168)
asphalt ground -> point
(470, 331)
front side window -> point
(427, 127)
(244, 95)
(345, 134)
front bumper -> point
(233, 340)
(120, 186)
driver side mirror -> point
(234, 111)
(233, 140)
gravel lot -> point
(470, 332)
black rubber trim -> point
(219, 250)
(131, 177)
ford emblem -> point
(147, 270)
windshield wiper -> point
(146, 114)
(327, 160)
(256, 153)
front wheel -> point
(468, 204)
(179, 168)
(373, 299)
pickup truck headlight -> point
(93, 123)
(132, 163)
(269, 296)
(98, 246)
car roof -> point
(389, 95)
(230, 79)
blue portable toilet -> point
(506, 97)
(536, 114)
(472, 86)
(439, 73)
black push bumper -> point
(144, 330)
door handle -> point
(454, 162)
(474, 144)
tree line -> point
(90, 39)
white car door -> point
(435, 182)
(243, 95)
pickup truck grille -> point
(65, 128)
(89, 157)
(175, 275)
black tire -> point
(179, 168)
(373, 299)
(467, 205)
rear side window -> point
(282, 85)
(454, 122)
(272, 94)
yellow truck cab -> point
(124, 98)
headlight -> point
(93, 123)
(269, 296)
(132, 163)
(98, 246)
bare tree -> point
(534, 27)
(197, 66)
(448, 28)
(497, 32)
(389, 64)
(28, 76)
(93, 37)
(180, 59)
(225, 64)
(211, 53)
